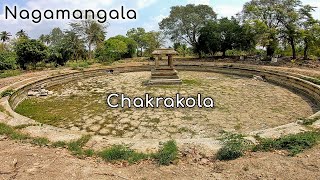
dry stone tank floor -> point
(242, 105)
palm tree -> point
(93, 32)
(21, 34)
(4, 36)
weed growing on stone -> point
(234, 146)
(11, 133)
(59, 144)
(40, 142)
(76, 147)
(294, 144)
(6, 93)
(167, 154)
(121, 153)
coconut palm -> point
(4, 36)
(21, 34)
(92, 32)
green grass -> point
(9, 73)
(191, 82)
(167, 154)
(49, 111)
(79, 65)
(6, 93)
(121, 153)
(234, 146)
(89, 152)
(308, 122)
(40, 142)
(76, 147)
(59, 144)
(294, 144)
(12, 133)
(313, 80)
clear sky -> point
(150, 12)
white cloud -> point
(144, 3)
(227, 10)
(196, 2)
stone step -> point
(165, 77)
(165, 82)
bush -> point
(6, 93)
(11, 133)
(294, 144)
(78, 65)
(120, 152)
(8, 60)
(30, 52)
(9, 73)
(234, 147)
(40, 141)
(167, 153)
(76, 146)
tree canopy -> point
(185, 22)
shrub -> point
(40, 141)
(76, 146)
(234, 147)
(6, 93)
(60, 144)
(167, 153)
(11, 133)
(120, 152)
(294, 144)
(7, 60)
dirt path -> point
(23, 161)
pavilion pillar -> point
(157, 61)
(170, 61)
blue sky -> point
(150, 12)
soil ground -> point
(24, 161)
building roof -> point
(164, 51)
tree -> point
(22, 34)
(92, 32)
(310, 29)
(183, 50)
(5, 36)
(113, 49)
(131, 45)
(287, 12)
(138, 35)
(56, 36)
(153, 41)
(262, 18)
(30, 51)
(209, 40)
(184, 22)
(224, 35)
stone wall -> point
(306, 88)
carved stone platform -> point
(164, 75)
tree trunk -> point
(270, 51)
(137, 52)
(306, 49)
(293, 47)
(223, 53)
(90, 51)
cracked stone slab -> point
(53, 134)
(292, 128)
